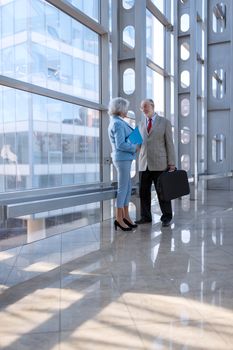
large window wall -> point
(45, 140)
(55, 83)
(43, 46)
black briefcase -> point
(172, 184)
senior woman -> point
(123, 153)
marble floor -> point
(94, 288)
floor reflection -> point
(151, 288)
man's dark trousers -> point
(146, 178)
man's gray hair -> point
(118, 105)
(151, 102)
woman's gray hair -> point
(118, 105)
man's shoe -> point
(143, 221)
(166, 223)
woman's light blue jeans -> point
(123, 168)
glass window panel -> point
(1, 148)
(172, 55)
(155, 89)
(154, 39)
(89, 7)
(37, 19)
(203, 80)
(13, 139)
(67, 179)
(7, 21)
(22, 147)
(20, 20)
(9, 152)
(21, 62)
(219, 18)
(40, 148)
(54, 51)
(203, 44)
(21, 105)
(110, 15)
(66, 25)
(172, 12)
(8, 112)
(54, 141)
(9, 155)
(67, 148)
(10, 182)
(40, 181)
(54, 113)
(48, 143)
(110, 70)
(54, 180)
(67, 115)
(39, 108)
(39, 70)
(7, 61)
(159, 4)
(172, 101)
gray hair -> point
(150, 101)
(118, 105)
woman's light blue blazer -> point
(118, 132)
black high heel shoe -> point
(116, 224)
(129, 223)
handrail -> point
(39, 192)
(21, 206)
(215, 176)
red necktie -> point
(149, 125)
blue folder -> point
(135, 137)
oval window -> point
(219, 148)
(184, 22)
(127, 4)
(185, 107)
(184, 51)
(185, 135)
(129, 81)
(129, 36)
(185, 79)
(218, 83)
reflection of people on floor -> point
(11, 157)
(171, 259)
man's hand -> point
(171, 167)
